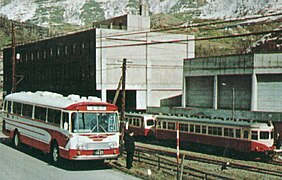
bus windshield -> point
(85, 122)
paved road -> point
(31, 164)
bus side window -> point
(40, 113)
(27, 110)
(17, 108)
(4, 106)
(9, 108)
(54, 116)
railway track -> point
(241, 166)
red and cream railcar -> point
(71, 127)
(236, 135)
(140, 124)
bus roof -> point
(55, 100)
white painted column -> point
(148, 74)
(254, 93)
(215, 92)
(184, 91)
(103, 72)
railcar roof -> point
(140, 115)
(214, 121)
(49, 99)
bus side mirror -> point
(66, 126)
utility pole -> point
(117, 92)
(13, 59)
(122, 113)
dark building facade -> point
(66, 65)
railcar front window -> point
(150, 122)
(94, 122)
(254, 135)
(272, 135)
(264, 135)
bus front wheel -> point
(16, 140)
(54, 153)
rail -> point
(156, 159)
(164, 153)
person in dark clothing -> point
(278, 141)
(130, 148)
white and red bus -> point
(72, 127)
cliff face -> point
(80, 12)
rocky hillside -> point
(49, 13)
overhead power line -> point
(195, 39)
(194, 25)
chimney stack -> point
(143, 8)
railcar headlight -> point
(113, 145)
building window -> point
(51, 52)
(66, 50)
(44, 54)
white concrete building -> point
(155, 60)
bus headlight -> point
(113, 145)
(81, 146)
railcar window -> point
(272, 135)
(54, 116)
(228, 132)
(40, 113)
(27, 110)
(209, 130)
(150, 122)
(171, 125)
(197, 128)
(164, 125)
(264, 135)
(238, 133)
(246, 134)
(191, 129)
(17, 108)
(219, 131)
(254, 135)
(158, 124)
(183, 127)
(204, 129)
(215, 131)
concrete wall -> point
(138, 23)
(154, 69)
(269, 94)
(252, 81)
(199, 91)
(241, 85)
